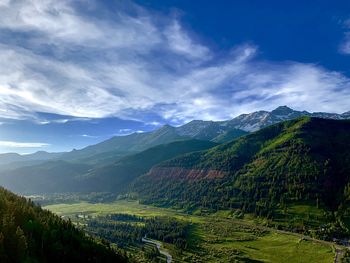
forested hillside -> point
(116, 177)
(62, 176)
(306, 160)
(30, 234)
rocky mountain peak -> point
(346, 114)
(282, 110)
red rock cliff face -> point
(182, 173)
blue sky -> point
(75, 73)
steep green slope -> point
(303, 160)
(61, 176)
(30, 234)
(117, 176)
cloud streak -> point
(11, 144)
(62, 58)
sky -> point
(74, 73)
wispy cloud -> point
(89, 136)
(11, 144)
(62, 58)
(345, 45)
(181, 43)
(125, 131)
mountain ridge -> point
(6, 158)
(301, 160)
(78, 163)
(62, 176)
(196, 129)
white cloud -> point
(154, 123)
(181, 43)
(89, 136)
(345, 45)
(59, 21)
(4, 2)
(12, 144)
(61, 121)
(126, 64)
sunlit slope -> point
(303, 160)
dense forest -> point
(31, 234)
(306, 160)
(126, 230)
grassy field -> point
(216, 238)
(301, 214)
(122, 206)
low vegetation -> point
(225, 236)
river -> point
(158, 244)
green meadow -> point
(216, 237)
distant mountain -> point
(61, 176)
(7, 158)
(260, 119)
(208, 130)
(30, 234)
(49, 177)
(88, 163)
(306, 160)
(116, 177)
(218, 131)
(346, 115)
(120, 146)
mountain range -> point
(300, 160)
(288, 161)
(113, 164)
(217, 131)
(62, 176)
(10, 158)
(294, 173)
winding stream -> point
(158, 244)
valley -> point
(262, 187)
(218, 237)
(149, 131)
